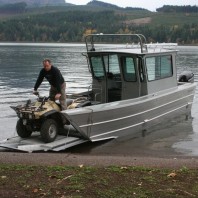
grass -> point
(103, 182)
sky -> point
(147, 4)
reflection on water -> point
(21, 63)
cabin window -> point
(112, 65)
(159, 67)
(97, 66)
(129, 69)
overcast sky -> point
(147, 4)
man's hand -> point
(35, 93)
(57, 96)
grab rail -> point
(91, 39)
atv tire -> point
(49, 130)
(22, 130)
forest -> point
(13, 8)
(71, 24)
(185, 9)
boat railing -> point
(161, 46)
(129, 41)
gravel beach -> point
(51, 159)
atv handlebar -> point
(36, 93)
(41, 98)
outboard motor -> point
(186, 76)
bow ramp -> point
(34, 143)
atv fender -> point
(47, 114)
(56, 115)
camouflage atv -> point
(42, 115)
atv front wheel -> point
(49, 130)
(22, 130)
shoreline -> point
(68, 159)
(157, 149)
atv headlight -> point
(20, 115)
(24, 122)
(30, 116)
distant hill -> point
(109, 5)
(102, 4)
(34, 2)
(4, 4)
(184, 9)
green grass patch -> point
(103, 182)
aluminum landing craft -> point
(134, 86)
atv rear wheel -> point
(22, 130)
(49, 130)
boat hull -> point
(128, 117)
(122, 119)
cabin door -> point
(132, 77)
(107, 85)
(113, 78)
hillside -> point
(102, 4)
(109, 5)
(183, 9)
(71, 23)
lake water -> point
(21, 63)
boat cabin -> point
(128, 71)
